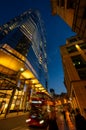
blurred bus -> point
(42, 101)
(40, 104)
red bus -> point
(41, 104)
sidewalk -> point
(10, 115)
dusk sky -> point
(57, 31)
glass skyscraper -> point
(26, 35)
(22, 45)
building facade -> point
(79, 19)
(73, 12)
(65, 9)
(26, 31)
(23, 60)
(74, 63)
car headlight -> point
(28, 120)
(41, 122)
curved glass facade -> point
(26, 35)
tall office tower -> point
(26, 35)
(74, 63)
(23, 60)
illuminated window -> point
(80, 66)
(83, 45)
(71, 49)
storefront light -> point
(21, 69)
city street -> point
(26, 128)
(43, 65)
(18, 123)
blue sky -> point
(57, 31)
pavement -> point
(10, 115)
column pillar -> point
(13, 93)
